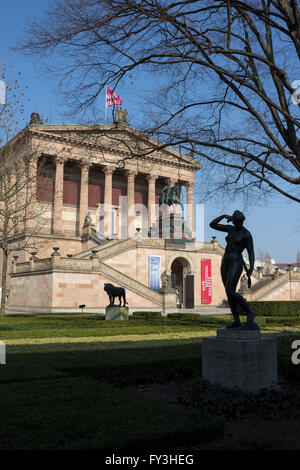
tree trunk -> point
(3, 284)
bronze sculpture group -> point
(170, 195)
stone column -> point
(190, 207)
(31, 210)
(130, 202)
(58, 195)
(84, 194)
(108, 171)
(151, 199)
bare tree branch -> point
(226, 74)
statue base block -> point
(240, 359)
(115, 312)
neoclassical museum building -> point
(95, 196)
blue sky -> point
(275, 226)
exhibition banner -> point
(154, 272)
(206, 283)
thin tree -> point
(18, 162)
(227, 74)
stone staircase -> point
(260, 284)
(108, 249)
(129, 283)
(112, 248)
(265, 287)
(97, 236)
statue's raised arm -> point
(221, 227)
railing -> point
(110, 247)
(270, 286)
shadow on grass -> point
(71, 400)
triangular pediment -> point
(122, 140)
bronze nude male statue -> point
(238, 239)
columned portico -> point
(108, 170)
(75, 186)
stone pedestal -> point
(114, 312)
(171, 226)
(240, 359)
(169, 298)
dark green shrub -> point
(184, 316)
(235, 404)
(275, 308)
(283, 321)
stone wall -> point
(65, 291)
(32, 293)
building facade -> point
(98, 219)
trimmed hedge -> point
(284, 321)
(146, 315)
(205, 319)
(184, 316)
(276, 308)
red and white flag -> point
(112, 98)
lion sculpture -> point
(113, 291)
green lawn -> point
(72, 384)
(85, 325)
(55, 326)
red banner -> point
(206, 284)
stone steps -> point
(129, 283)
(108, 249)
(269, 287)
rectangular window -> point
(141, 197)
(96, 194)
(117, 191)
(71, 192)
(45, 187)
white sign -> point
(2, 92)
